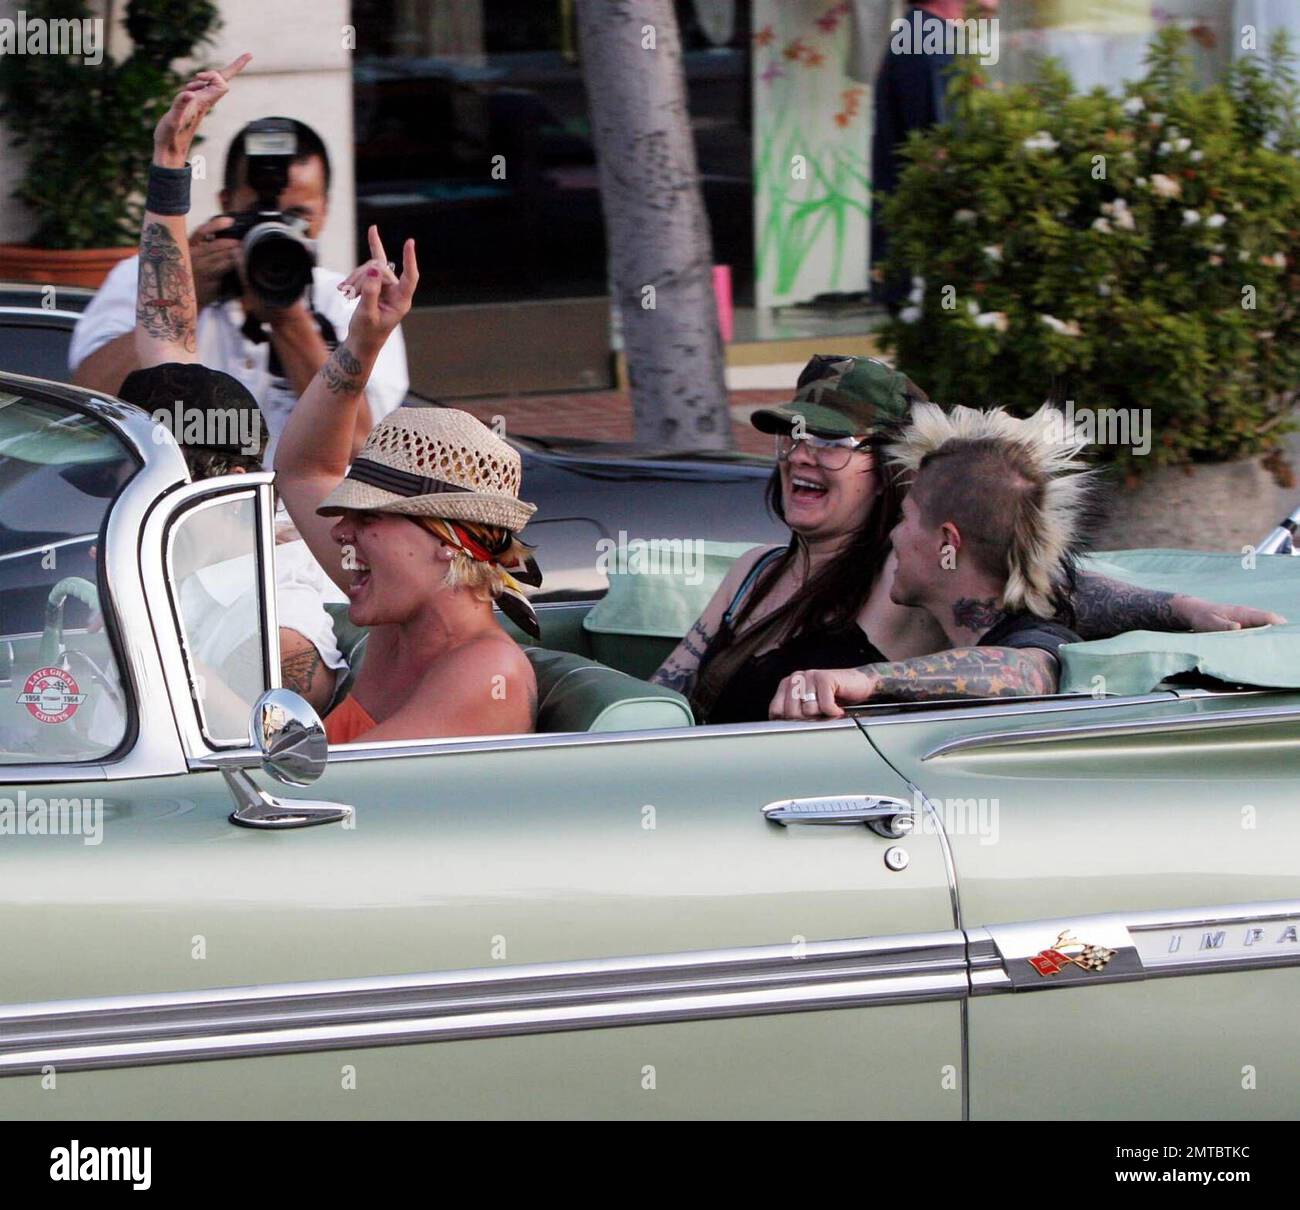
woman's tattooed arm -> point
(680, 669)
(343, 373)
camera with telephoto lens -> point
(277, 253)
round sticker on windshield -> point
(51, 695)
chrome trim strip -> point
(389, 749)
(39, 312)
(1146, 726)
(125, 1031)
(1142, 944)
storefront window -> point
(472, 135)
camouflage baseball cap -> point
(840, 396)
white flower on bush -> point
(917, 293)
(1119, 211)
(1277, 260)
(1061, 327)
(997, 320)
(1103, 288)
(1166, 186)
(909, 315)
(1172, 132)
(1191, 218)
(1216, 220)
(1197, 156)
(964, 216)
(1101, 225)
(993, 252)
(1182, 144)
(1164, 149)
(1134, 106)
(1040, 140)
(972, 308)
(1157, 119)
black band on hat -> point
(400, 483)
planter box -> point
(1217, 506)
(59, 266)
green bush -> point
(88, 129)
(1102, 249)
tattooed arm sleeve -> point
(966, 672)
(1103, 607)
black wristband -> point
(169, 190)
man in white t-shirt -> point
(274, 353)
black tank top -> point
(746, 697)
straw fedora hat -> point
(434, 462)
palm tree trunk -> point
(660, 250)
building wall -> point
(301, 69)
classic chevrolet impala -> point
(1082, 906)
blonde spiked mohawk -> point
(1047, 530)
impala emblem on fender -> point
(1068, 950)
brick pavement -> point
(606, 415)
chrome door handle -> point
(888, 817)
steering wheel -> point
(52, 636)
(51, 650)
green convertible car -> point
(1081, 906)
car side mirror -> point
(290, 736)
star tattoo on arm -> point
(967, 672)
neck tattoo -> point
(977, 615)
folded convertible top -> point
(659, 589)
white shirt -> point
(222, 345)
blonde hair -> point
(486, 581)
(1039, 526)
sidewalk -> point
(606, 415)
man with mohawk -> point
(986, 545)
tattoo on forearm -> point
(343, 373)
(680, 669)
(967, 672)
(978, 615)
(298, 671)
(165, 304)
(1103, 607)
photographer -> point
(248, 327)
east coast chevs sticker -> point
(51, 695)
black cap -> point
(216, 411)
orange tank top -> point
(346, 721)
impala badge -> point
(1067, 951)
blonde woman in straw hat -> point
(420, 532)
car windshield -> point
(61, 692)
